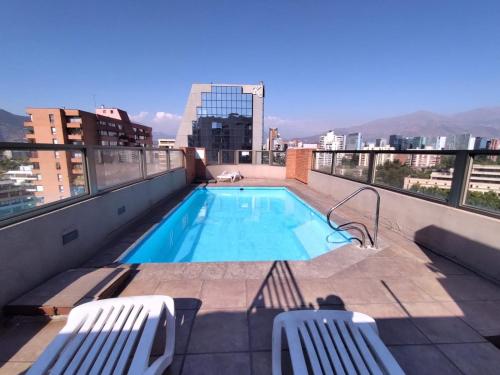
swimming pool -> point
(237, 224)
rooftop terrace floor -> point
(432, 313)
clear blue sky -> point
(324, 63)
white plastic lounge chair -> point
(340, 342)
(236, 176)
(101, 336)
(225, 176)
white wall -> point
(469, 238)
(32, 251)
(248, 170)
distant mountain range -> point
(11, 127)
(482, 122)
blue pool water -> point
(234, 224)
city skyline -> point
(394, 59)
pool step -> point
(60, 294)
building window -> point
(51, 118)
(111, 111)
(53, 130)
(61, 189)
(56, 154)
(58, 165)
(59, 177)
(55, 141)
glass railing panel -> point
(156, 161)
(425, 174)
(262, 157)
(32, 178)
(353, 165)
(278, 158)
(176, 159)
(212, 157)
(245, 157)
(323, 162)
(227, 156)
(483, 185)
(115, 167)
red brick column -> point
(298, 163)
(190, 154)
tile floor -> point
(432, 313)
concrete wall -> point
(248, 170)
(469, 238)
(32, 251)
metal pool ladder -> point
(354, 225)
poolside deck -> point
(432, 313)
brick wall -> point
(190, 154)
(298, 163)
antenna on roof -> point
(95, 105)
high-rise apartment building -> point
(437, 143)
(273, 135)
(381, 159)
(481, 143)
(353, 141)
(423, 160)
(330, 141)
(223, 117)
(418, 142)
(60, 173)
(460, 142)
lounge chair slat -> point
(295, 348)
(341, 348)
(111, 339)
(130, 344)
(101, 339)
(311, 351)
(145, 345)
(330, 347)
(320, 347)
(86, 345)
(70, 350)
(353, 349)
(364, 350)
(120, 342)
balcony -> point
(75, 137)
(74, 125)
(424, 284)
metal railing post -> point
(219, 157)
(332, 168)
(142, 153)
(460, 177)
(90, 165)
(236, 157)
(271, 156)
(371, 166)
(169, 163)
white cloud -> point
(166, 117)
(160, 121)
(273, 121)
(141, 116)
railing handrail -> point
(374, 240)
(409, 152)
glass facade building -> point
(222, 118)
